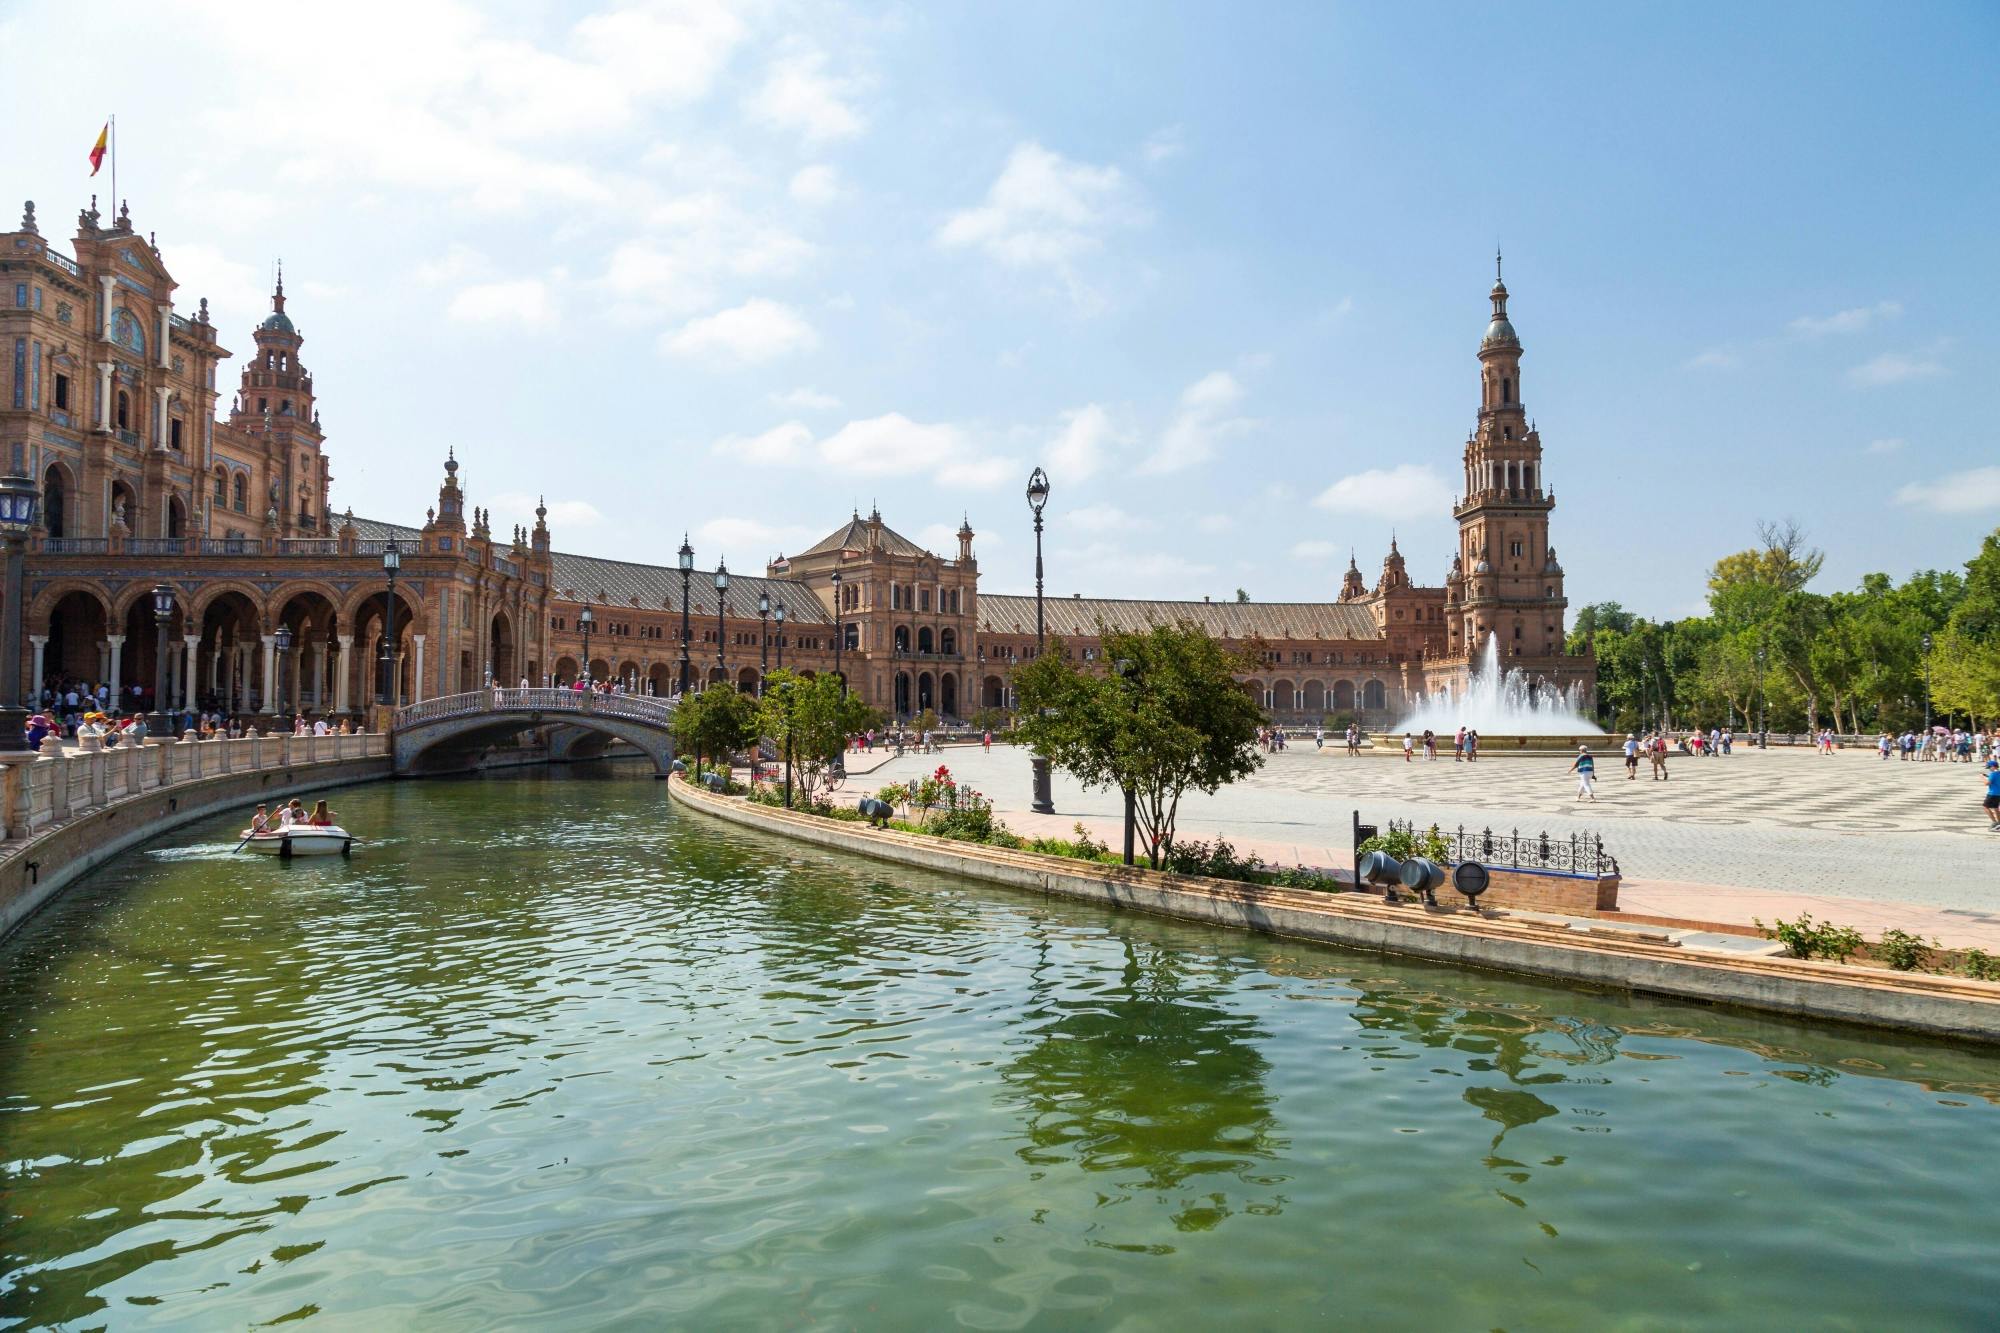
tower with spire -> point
(1506, 580)
(274, 413)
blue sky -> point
(1221, 269)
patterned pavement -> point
(1756, 833)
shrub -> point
(1404, 844)
(1805, 938)
(1903, 951)
(1981, 965)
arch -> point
(43, 603)
(663, 679)
(901, 641)
(357, 601)
(717, 676)
(566, 669)
(628, 674)
(208, 593)
(925, 644)
(1343, 696)
(500, 651)
(124, 412)
(902, 708)
(125, 498)
(747, 680)
(220, 499)
(1375, 695)
(948, 694)
(1315, 697)
(456, 743)
(599, 669)
(76, 622)
(57, 487)
(926, 691)
(948, 642)
(177, 519)
(992, 694)
(1283, 692)
(309, 679)
(239, 490)
(286, 593)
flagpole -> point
(114, 170)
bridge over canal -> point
(451, 732)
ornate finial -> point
(541, 507)
(124, 215)
(1496, 263)
(450, 463)
(203, 317)
(153, 241)
(28, 218)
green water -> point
(550, 1054)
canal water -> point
(549, 1053)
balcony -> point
(76, 545)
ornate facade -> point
(112, 404)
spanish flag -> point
(97, 151)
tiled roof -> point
(1079, 617)
(853, 536)
(614, 583)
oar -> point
(241, 845)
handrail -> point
(649, 709)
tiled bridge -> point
(450, 731)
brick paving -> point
(1846, 837)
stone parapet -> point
(1948, 1007)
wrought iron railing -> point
(155, 545)
(76, 545)
(636, 707)
(1576, 854)
(377, 545)
(65, 263)
(308, 546)
(232, 545)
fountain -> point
(1512, 712)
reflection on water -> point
(551, 1054)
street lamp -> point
(18, 500)
(392, 560)
(159, 724)
(687, 569)
(1927, 682)
(1038, 497)
(586, 620)
(283, 639)
(1128, 671)
(839, 634)
(780, 613)
(721, 588)
(1762, 743)
(763, 638)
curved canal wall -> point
(1940, 1006)
(67, 813)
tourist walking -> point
(1458, 747)
(1585, 769)
(1472, 745)
(1430, 746)
(1658, 751)
(1631, 757)
(1993, 795)
(1406, 747)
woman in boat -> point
(321, 816)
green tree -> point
(717, 722)
(810, 719)
(1242, 596)
(1169, 718)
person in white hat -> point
(1585, 769)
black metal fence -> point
(1577, 854)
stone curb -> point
(1951, 1007)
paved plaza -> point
(1759, 833)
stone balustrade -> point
(60, 784)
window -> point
(924, 600)
(263, 404)
(124, 411)
(62, 392)
(1506, 390)
(221, 489)
(239, 495)
(1514, 548)
(174, 434)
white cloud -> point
(1888, 446)
(1044, 209)
(798, 95)
(1314, 550)
(1215, 523)
(1896, 368)
(892, 443)
(456, 264)
(1843, 321)
(237, 294)
(694, 248)
(1162, 144)
(808, 399)
(1968, 492)
(815, 184)
(1079, 448)
(776, 446)
(1104, 518)
(752, 536)
(942, 539)
(523, 301)
(1407, 488)
(564, 515)
(1099, 565)
(1203, 419)
(1715, 358)
(756, 331)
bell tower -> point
(274, 409)
(1513, 585)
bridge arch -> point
(453, 731)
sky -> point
(738, 270)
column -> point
(189, 672)
(112, 677)
(239, 685)
(346, 641)
(166, 327)
(160, 431)
(417, 676)
(109, 284)
(104, 423)
(40, 643)
(270, 704)
(319, 676)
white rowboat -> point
(301, 840)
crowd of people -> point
(1939, 745)
(291, 814)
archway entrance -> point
(55, 502)
(948, 695)
(500, 650)
(76, 648)
(902, 694)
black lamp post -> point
(763, 639)
(780, 613)
(283, 639)
(158, 723)
(687, 569)
(1128, 671)
(721, 591)
(18, 500)
(392, 560)
(1927, 683)
(586, 620)
(839, 633)
(1038, 497)
(786, 687)
(1761, 744)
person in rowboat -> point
(260, 822)
(321, 816)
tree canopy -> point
(1167, 717)
(810, 719)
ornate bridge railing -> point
(1577, 854)
(632, 707)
